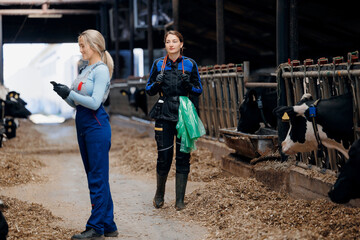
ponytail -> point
(107, 59)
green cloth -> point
(189, 126)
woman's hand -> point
(160, 78)
(62, 90)
(185, 82)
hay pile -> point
(237, 208)
(17, 167)
(230, 207)
(32, 221)
(26, 220)
(134, 152)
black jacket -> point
(171, 88)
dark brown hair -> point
(178, 34)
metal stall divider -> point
(223, 91)
(203, 101)
(213, 102)
(324, 80)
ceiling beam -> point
(13, 12)
(34, 2)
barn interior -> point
(263, 32)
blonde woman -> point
(87, 94)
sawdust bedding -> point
(230, 207)
(29, 221)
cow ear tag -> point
(312, 111)
(285, 117)
(123, 93)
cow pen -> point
(224, 87)
(322, 79)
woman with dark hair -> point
(171, 76)
(87, 94)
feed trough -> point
(263, 142)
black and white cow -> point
(334, 119)
(347, 185)
(4, 227)
(14, 109)
(137, 98)
(15, 97)
(11, 107)
(257, 107)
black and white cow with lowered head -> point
(334, 119)
(4, 227)
(347, 185)
(137, 98)
(257, 107)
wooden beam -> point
(35, 2)
(13, 12)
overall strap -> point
(92, 68)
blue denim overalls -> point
(94, 139)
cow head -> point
(249, 120)
(4, 227)
(299, 137)
(10, 127)
(136, 97)
(347, 185)
(14, 109)
(257, 107)
(15, 96)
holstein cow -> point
(13, 109)
(137, 98)
(334, 121)
(4, 228)
(15, 97)
(257, 107)
(10, 109)
(347, 185)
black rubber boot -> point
(181, 181)
(160, 191)
(88, 234)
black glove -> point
(160, 78)
(62, 90)
(185, 82)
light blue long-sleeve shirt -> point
(96, 84)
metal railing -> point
(224, 87)
(323, 79)
(223, 91)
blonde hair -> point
(96, 42)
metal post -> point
(131, 43)
(281, 57)
(220, 31)
(150, 33)
(103, 22)
(281, 31)
(1, 54)
(116, 28)
(175, 6)
(294, 34)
